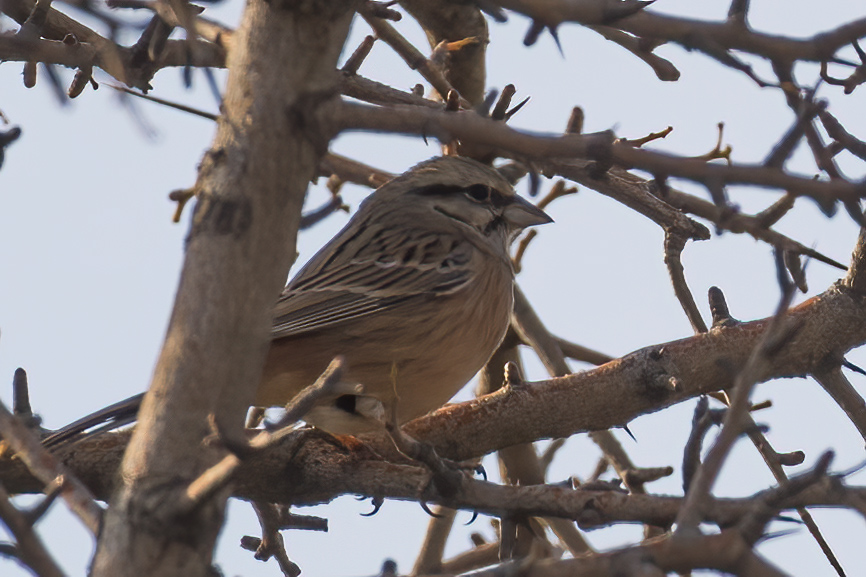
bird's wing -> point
(386, 271)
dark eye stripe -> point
(438, 190)
(496, 198)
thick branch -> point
(308, 469)
(645, 381)
(271, 136)
(641, 382)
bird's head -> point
(470, 194)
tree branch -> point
(250, 190)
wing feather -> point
(384, 272)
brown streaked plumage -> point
(415, 292)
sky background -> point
(89, 261)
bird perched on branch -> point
(415, 293)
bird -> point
(415, 293)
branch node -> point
(353, 63)
(575, 121)
(513, 378)
(719, 308)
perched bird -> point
(415, 293)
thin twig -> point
(663, 68)
(774, 462)
(412, 56)
(674, 245)
(837, 385)
(771, 341)
(29, 548)
(217, 476)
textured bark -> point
(311, 468)
(270, 138)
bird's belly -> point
(419, 370)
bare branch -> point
(469, 126)
(846, 396)
(837, 132)
(217, 476)
(728, 35)
(448, 22)
(774, 461)
(778, 332)
(674, 245)
(663, 68)
(44, 466)
(581, 353)
(28, 546)
(413, 57)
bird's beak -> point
(522, 213)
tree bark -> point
(273, 131)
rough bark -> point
(270, 138)
(308, 468)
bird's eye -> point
(478, 192)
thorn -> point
(795, 267)
(516, 109)
(187, 76)
(555, 34)
(492, 10)
(849, 365)
(630, 434)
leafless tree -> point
(166, 483)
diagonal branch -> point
(28, 547)
(505, 141)
(698, 34)
(26, 446)
(846, 396)
(778, 332)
